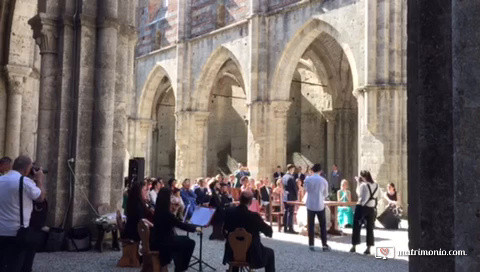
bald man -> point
(258, 256)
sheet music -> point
(201, 216)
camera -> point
(36, 168)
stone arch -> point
(149, 91)
(156, 115)
(297, 46)
(207, 77)
(221, 91)
(316, 76)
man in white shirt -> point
(316, 188)
(11, 251)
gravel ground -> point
(291, 254)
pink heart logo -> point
(384, 251)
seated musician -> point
(220, 201)
(137, 209)
(163, 238)
(258, 256)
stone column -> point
(443, 141)
(382, 100)
(17, 80)
(143, 135)
(277, 131)
(107, 29)
(382, 133)
(45, 33)
(331, 139)
(191, 135)
(258, 163)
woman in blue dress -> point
(345, 213)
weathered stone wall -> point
(86, 80)
(268, 48)
(156, 24)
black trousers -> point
(311, 226)
(182, 249)
(12, 254)
(363, 213)
(38, 239)
(270, 261)
(288, 216)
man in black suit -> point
(258, 256)
(290, 194)
(278, 174)
(265, 192)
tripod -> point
(199, 260)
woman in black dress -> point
(137, 209)
(164, 239)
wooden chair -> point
(130, 256)
(240, 241)
(151, 260)
(278, 215)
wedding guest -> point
(392, 196)
(317, 190)
(188, 197)
(177, 205)
(245, 184)
(335, 179)
(278, 173)
(290, 194)
(240, 173)
(345, 213)
(278, 191)
(202, 193)
(156, 186)
(5, 165)
(265, 193)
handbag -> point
(25, 236)
(79, 239)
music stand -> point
(201, 217)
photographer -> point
(367, 191)
(13, 230)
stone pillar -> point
(256, 90)
(107, 29)
(382, 100)
(17, 80)
(443, 142)
(258, 163)
(277, 131)
(331, 142)
(382, 133)
(191, 135)
(45, 33)
(143, 138)
(119, 147)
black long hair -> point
(393, 186)
(163, 200)
(135, 197)
(367, 176)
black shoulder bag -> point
(24, 235)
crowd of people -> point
(238, 199)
